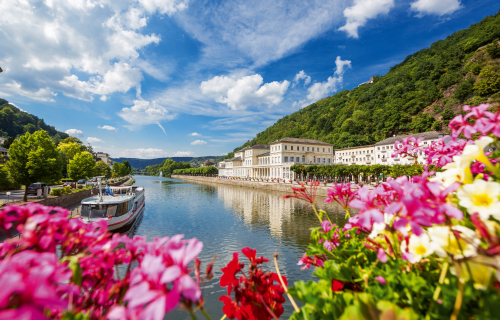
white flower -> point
(445, 241)
(481, 197)
(456, 171)
(481, 271)
(419, 247)
(476, 151)
(379, 227)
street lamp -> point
(8, 196)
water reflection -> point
(227, 218)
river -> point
(227, 218)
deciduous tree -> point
(82, 166)
(33, 158)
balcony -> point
(368, 162)
(383, 151)
(384, 160)
(397, 159)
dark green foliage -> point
(465, 89)
(198, 171)
(393, 104)
(14, 122)
(493, 49)
(170, 166)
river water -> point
(227, 218)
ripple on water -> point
(226, 219)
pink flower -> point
(381, 255)
(409, 147)
(380, 279)
(315, 260)
(342, 194)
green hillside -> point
(420, 94)
(14, 122)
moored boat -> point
(121, 207)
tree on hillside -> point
(34, 158)
(82, 166)
(129, 167)
(102, 169)
(6, 144)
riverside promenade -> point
(271, 186)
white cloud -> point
(106, 127)
(94, 140)
(198, 143)
(299, 76)
(144, 112)
(103, 98)
(94, 54)
(194, 134)
(74, 133)
(183, 154)
(361, 11)
(246, 91)
(441, 7)
(320, 90)
(259, 30)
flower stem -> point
(191, 313)
(316, 212)
(347, 214)
(283, 284)
(206, 314)
(224, 317)
(458, 301)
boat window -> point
(122, 209)
(85, 211)
(112, 210)
(98, 211)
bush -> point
(57, 192)
(465, 89)
(489, 81)
(80, 186)
(493, 50)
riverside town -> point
(250, 160)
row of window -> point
(348, 153)
(103, 211)
(297, 148)
(356, 159)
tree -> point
(71, 149)
(82, 166)
(102, 169)
(6, 144)
(129, 167)
(119, 170)
(34, 158)
(489, 81)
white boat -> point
(120, 210)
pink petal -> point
(381, 255)
(380, 279)
(117, 312)
(189, 288)
(193, 248)
(139, 295)
(155, 310)
(172, 299)
(170, 274)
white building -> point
(104, 157)
(385, 148)
(363, 155)
(274, 160)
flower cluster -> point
(342, 194)
(256, 296)
(84, 278)
(409, 147)
(483, 122)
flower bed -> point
(424, 248)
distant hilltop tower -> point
(367, 82)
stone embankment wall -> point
(271, 186)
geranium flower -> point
(481, 197)
(342, 194)
(419, 247)
(315, 260)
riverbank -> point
(271, 186)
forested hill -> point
(14, 122)
(420, 94)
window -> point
(286, 147)
(291, 148)
(379, 156)
(329, 160)
(303, 148)
(328, 149)
(317, 149)
(304, 159)
(297, 159)
(378, 148)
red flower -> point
(229, 272)
(337, 286)
(304, 193)
(250, 254)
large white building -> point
(381, 152)
(384, 149)
(274, 160)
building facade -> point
(274, 160)
(104, 157)
(363, 155)
(384, 149)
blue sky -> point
(157, 78)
